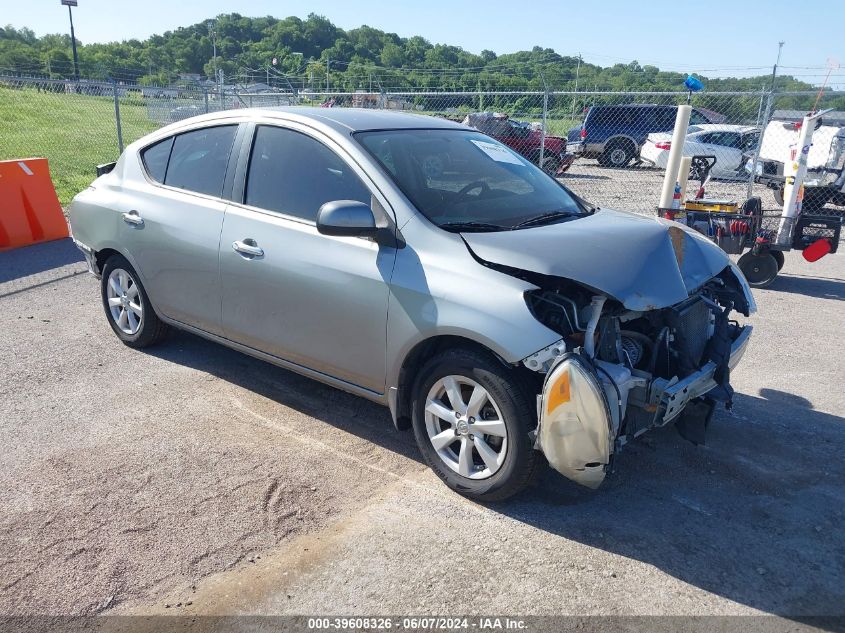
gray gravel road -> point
(192, 479)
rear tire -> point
(496, 464)
(617, 154)
(778, 195)
(128, 309)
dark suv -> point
(614, 134)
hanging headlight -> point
(575, 425)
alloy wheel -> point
(466, 427)
(124, 301)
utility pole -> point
(69, 4)
(575, 96)
(328, 65)
(777, 63)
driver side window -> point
(294, 174)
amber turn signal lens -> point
(559, 393)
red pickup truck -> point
(525, 139)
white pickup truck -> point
(825, 182)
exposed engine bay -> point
(653, 367)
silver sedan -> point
(494, 311)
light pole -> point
(69, 4)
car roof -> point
(636, 105)
(341, 119)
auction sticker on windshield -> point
(497, 152)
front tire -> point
(128, 309)
(472, 422)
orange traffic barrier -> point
(29, 209)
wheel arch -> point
(415, 358)
(622, 138)
(102, 256)
(106, 250)
(399, 395)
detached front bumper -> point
(581, 409)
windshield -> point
(463, 180)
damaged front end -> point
(617, 372)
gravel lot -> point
(192, 479)
(638, 188)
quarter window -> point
(155, 159)
(198, 159)
(292, 173)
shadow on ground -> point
(821, 287)
(38, 258)
(344, 411)
(755, 516)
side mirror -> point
(348, 218)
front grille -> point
(693, 330)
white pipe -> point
(683, 176)
(590, 335)
(795, 170)
(675, 154)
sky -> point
(717, 38)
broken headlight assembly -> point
(575, 431)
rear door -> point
(315, 300)
(171, 223)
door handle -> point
(133, 217)
(248, 247)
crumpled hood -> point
(643, 262)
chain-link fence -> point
(609, 147)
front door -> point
(314, 300)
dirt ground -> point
(192, 479)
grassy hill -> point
(75, 132)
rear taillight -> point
(583, 133)
(663, 145)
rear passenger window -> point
(198, 159)
(293, 174)
(155, 159)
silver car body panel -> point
(643, 262)
(434, 287)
